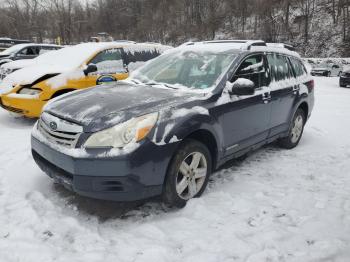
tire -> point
(340, 72)
(175, 194)
(295, 132)
(328, 74)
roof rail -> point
(252, 43)
(225, 41)
(281, 45)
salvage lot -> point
(276, 205)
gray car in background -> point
(327, 70)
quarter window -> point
(253, 68)
(298, 67)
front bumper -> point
(24, 106)
(135, 176)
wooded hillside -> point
(315, 27)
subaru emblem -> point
(53, 125)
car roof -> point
(35, 44)
(240, 46)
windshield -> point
(12, 50)
(189, 69)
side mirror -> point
(90, 69)
(242, 87)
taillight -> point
(311, 85)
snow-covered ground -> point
(276, 205)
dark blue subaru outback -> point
(163, 131)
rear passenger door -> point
(283, 89)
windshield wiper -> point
(162, 84)
(137, 82)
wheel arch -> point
(305, 107)
(205, 137)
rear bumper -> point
(344, 81)
(318, 73)
(136, 176)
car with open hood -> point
(163, 131)
(27, 90)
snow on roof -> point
(210, 47)
(239, 45)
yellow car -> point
(27, 90)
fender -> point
(174, 130)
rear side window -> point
(279, 67)
(136, 58)
(298, 67)
(253, 68)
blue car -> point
(177, 119)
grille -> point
(59, 131)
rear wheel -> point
(295, 130)
(188, 173)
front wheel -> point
(296, 130)
(188, 173)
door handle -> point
(266, 97)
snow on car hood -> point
(29, 75)
(100, 107)
(18, 64)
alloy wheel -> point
(191, 175)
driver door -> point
(246, 118)
(110, 67)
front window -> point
(188, 68)
(109, 61)
(253, 69)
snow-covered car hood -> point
(100, 107)
(29, 75)
(17, 64)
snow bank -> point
(277, 205)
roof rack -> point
(281, 45)
(249, 44)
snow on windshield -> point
(187, 67)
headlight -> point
(122, 134)
(29, 91)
